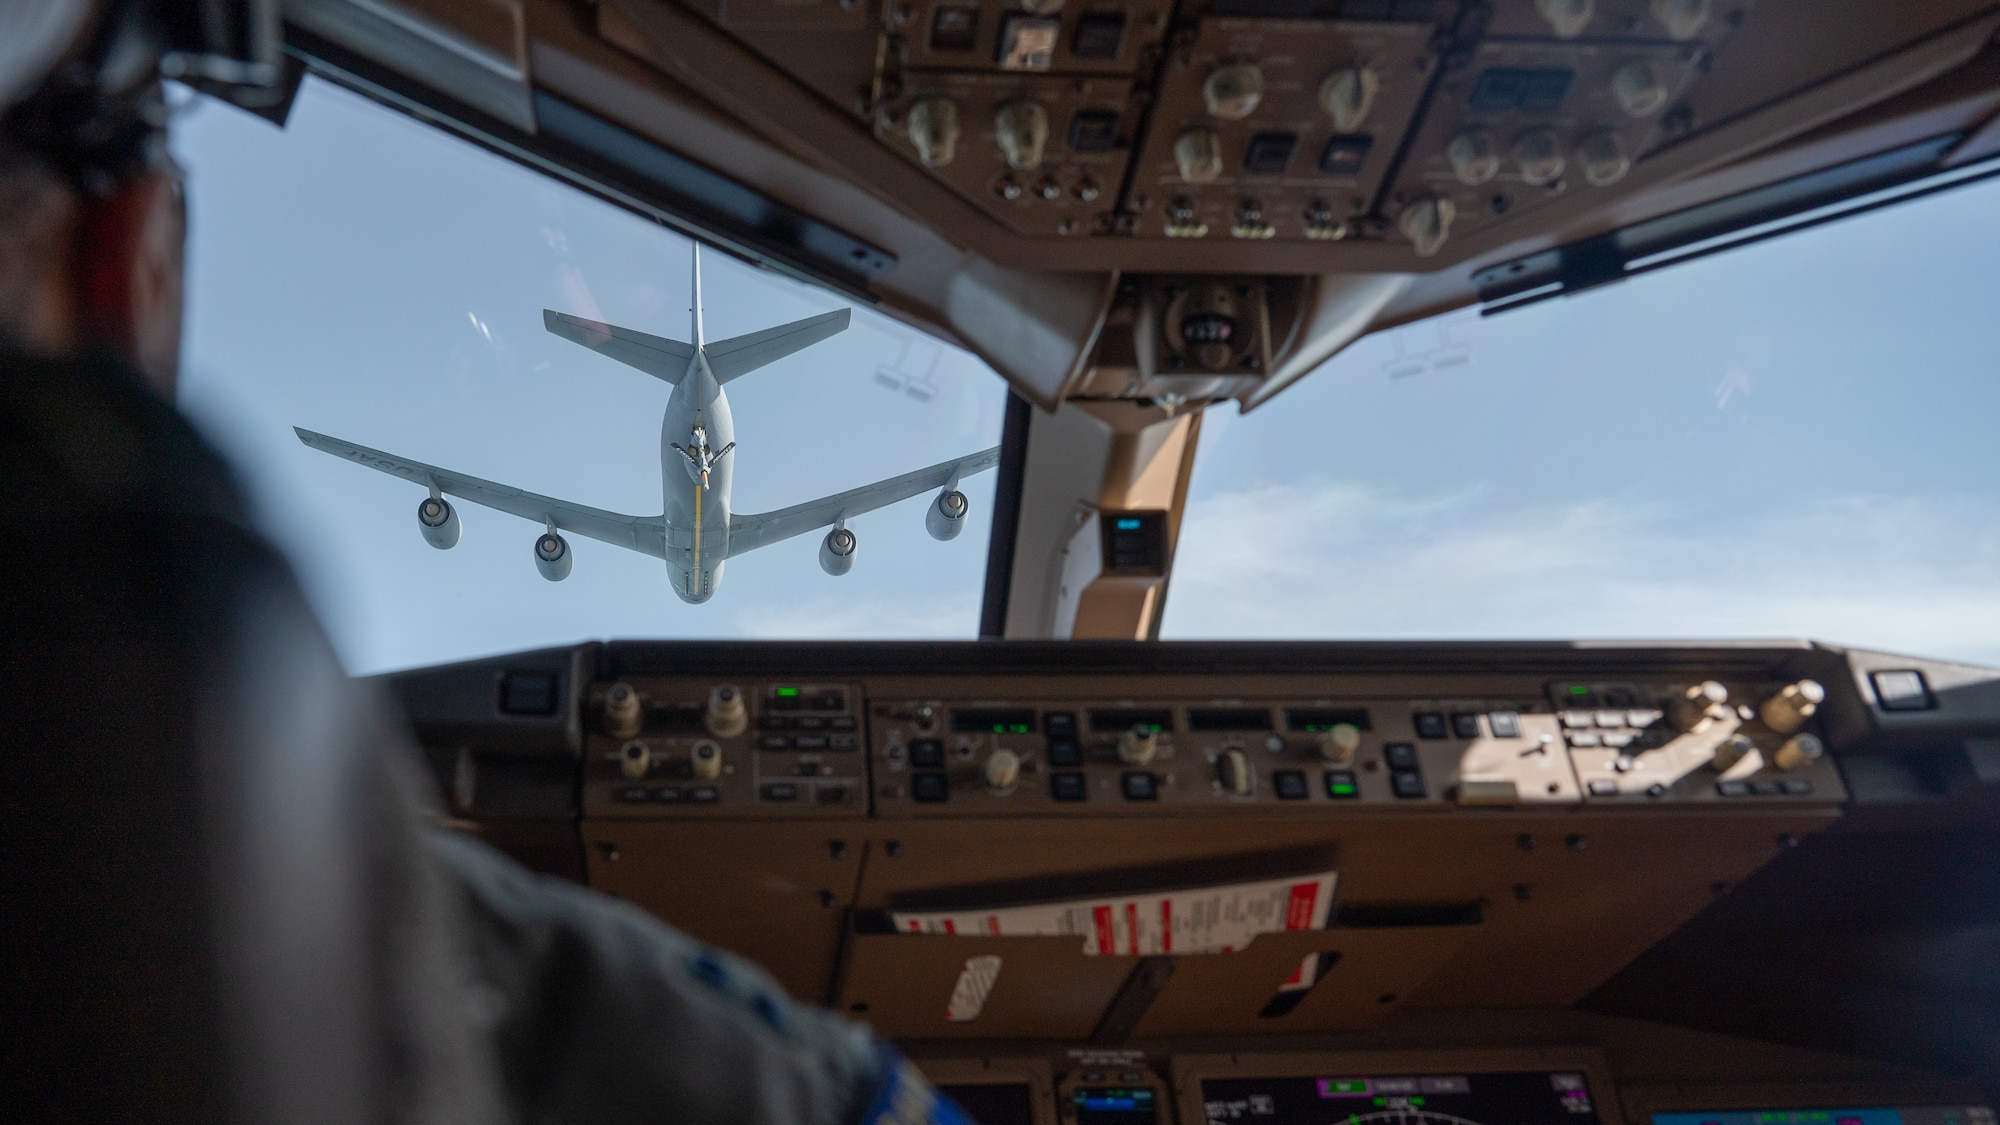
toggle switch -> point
(1681, 18)
(933, 131)
(1538, 155)
(1233, 92)
(635, 760)
(1788, 710)
(1022, 128)
(1347, 94)
(1567, 18)
(1473, 158)
(623, 715)
(1232, 768)
(727, 717)
(706, 760)
(1198, 154)
(1602, 157)
(1427, 223)
(1638, 88)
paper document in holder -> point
(1221, 918)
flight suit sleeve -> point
(602, 1014)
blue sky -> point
(1788, 440)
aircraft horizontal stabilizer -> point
(663, 359)
(747, 533)
(644, 534)
(740, 355)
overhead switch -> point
(1137, 746)
(1234, 91)
(622, 714)
(1427, 223)
(1347, 94)
(1022, 128)
(1681, 18)
(1798, 752)
(1003, 769)
(1538, 155)
(1339, 744)
(1638, 88)
(933, 131)
(1567, 18)
(1699, 704)
(1232, 767)
(1198, 153)
(1473, 158)
(726, 716)
(1788, 710)
(1602, 157)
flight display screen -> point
(1912, 1115)
(1115, 1105)
(994, 1103)
(1527, 1098)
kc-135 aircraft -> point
(697, 532)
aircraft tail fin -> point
(663, 359)
(740, 355)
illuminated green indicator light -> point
(787, 692)
(1579, 690)
(1341, 789)
(1418, 1100)
(1345, 1085)
(1010, 728)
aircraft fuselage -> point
(697, 518)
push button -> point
(1605, 787)
(1430, 724)
(842, 741)
(671, 795)
(1065, 753)
(1067, 787)
(632, 795)
(1504, 724)
(1342, 785)
(1290, 785)
(929, 788)
(776, 742)
(1796, 786)
(1140, 786)
(1400, 756)
(1407, 784)
(704, 794)
(1465, 726)
(1059, 724)
(781, 791)
(1733, 788)
(840, 722)
(927, 754)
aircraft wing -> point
(740, 355)
(747, 533)
(663, 359)
(644, 534)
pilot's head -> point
(92, 223)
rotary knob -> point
(634, 760)
(1233, 92)
(1003, 769)
(622, 714)
(1638, 88)
(1788, 710)
(1602, 156)
(1698, 704)
(1339, 744)
(1798, 752)
(1731, 752)
(1137, 746)
(1232, 768)
(706, 760)
(1347, 94)
(1473, 158)
(1539, 156)
(1567, 18)
(727, 717)
(933, 131)
(1427, 223)
(1198, 154)
(1022, 128)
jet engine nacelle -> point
(438, 520)
(836, 551)
(945, 518)
(553, 557)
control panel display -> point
(1114, 1105)
(994, 1103)
(1518, 1098)
(1913, 1115)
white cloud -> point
(1323, 559)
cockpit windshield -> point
(1791, 439)
(373, 279)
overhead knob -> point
(1788, 710)
(1232, 768)
(622, 714)
(1698, 704)
(634, 760)
(1346, 95)
(1638, 88)
(1003, 769)
(1798, 752)
(707, 760)
(1566, 17)
(1602, 156)
(727, 717)
(933, 131)
(1681, 18)
(1022, 128)
(1473, 158)
(1232, 92)
(1427, 223)
(1731, 752)
(1137, 746)
(1198, 152)
(1538, 155)
(1338, 744)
